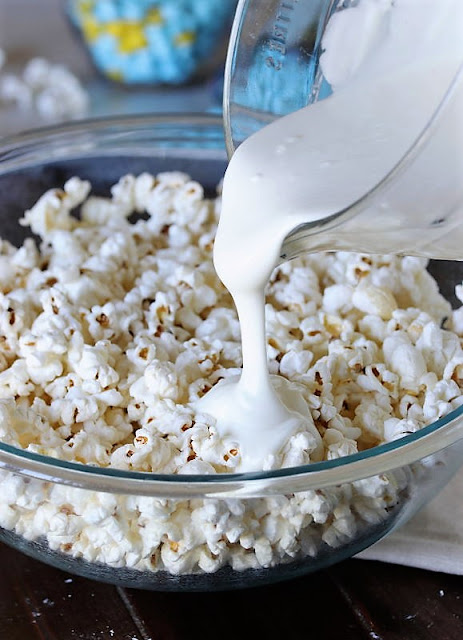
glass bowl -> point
(381, 488)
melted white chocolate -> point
(315, 163)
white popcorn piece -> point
(338, 298)
(51, 90)
(159, 380)
(294, 364)
(395, 428)
(15, 381)
(14, 89)
(52, 211)
(374, 300)
(404, 359)
(371, 418)
(36, 73)
(438, 347)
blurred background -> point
(68, 59)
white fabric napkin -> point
(433, 539)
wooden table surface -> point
(356, 599)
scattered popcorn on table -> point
(49, 89)
(111, 329)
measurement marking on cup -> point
(277, 43)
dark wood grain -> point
(262, 612)
(402, 603)
(355, 600)
(38, 601)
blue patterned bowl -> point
(152, 42)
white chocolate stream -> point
(316, 162)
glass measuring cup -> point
(273, 68)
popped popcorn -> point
(112, 328)
(51, 90)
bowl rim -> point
(88, 137)
(378, 460)
(95, 123)
(407, 450)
